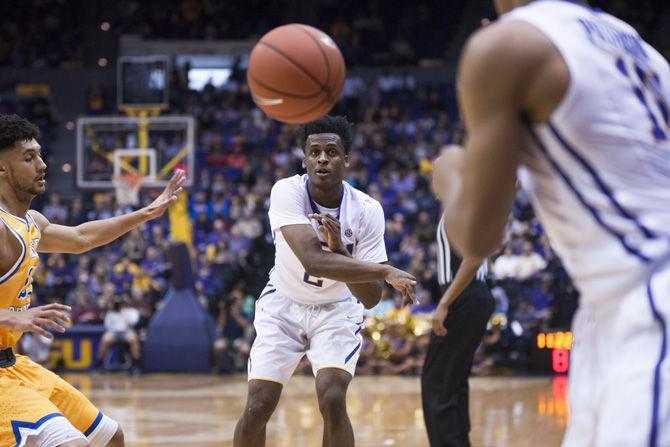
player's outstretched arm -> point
(509, 72)
(89, 235)
(306, 246)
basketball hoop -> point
(127, 187)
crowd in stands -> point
(56, 33)
(400, 127)
(41, 33)
(41, 110)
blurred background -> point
(70, 66)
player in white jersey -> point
(330, 258)
(579, 106)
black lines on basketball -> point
(300, 67)
(281, 92)
(325, 58)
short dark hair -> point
(328, 124)
(13, 128)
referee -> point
(459, 323)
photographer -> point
(120, 321)
(234, 332)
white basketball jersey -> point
(599, 172)
(362, 227)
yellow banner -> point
(180, 224)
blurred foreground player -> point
(577, 102)
(39, 408)
(459, 323)
(330, 257)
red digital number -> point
(560, 360)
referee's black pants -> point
(444, 379)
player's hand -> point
(403, 282)
(439, 316)
(168, 196)
(40, 319)
(330, 230)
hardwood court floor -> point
(201, 410)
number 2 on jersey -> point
(644, 81)
(316, 281)
(313, 280)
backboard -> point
(149, 146)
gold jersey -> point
(16, 285)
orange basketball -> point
(296, 73)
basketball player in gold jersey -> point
(38, 408)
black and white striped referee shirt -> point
(448, 261)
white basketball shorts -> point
(619, 380)
(329, 334)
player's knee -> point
(332, 400)
(118, 439)
(259, 410)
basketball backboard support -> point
(150, 146)
(123, 160)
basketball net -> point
(127, 187)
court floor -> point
(201, 410)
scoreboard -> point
(552, 351)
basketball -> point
(296, 73)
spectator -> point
(507, 265)
(83, 308)
(134, 246)
(249, 226)
(120, 321)
(77, 214)
(529, 263)
(37, 347)
(234, 332)
(55, 211)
